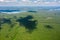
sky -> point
(29, 2)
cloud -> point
(1, 0)
(28, 2)
(7, 0)
(24, 0)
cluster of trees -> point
(4, 20)
(32, 11)
(23, 21)
(26, 22)
(48, 26)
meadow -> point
(31, 25)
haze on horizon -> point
(29, 2)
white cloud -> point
(24, 0)
(7, 0)
(35, 2)
(27, 2)
(1, 0)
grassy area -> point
(47, 27)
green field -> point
(41, 32)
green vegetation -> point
(30, 26)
